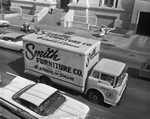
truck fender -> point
(46, 80)
(94, 89)
(95, 95)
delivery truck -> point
(74, 62)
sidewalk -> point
(49, 23)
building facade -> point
(140, 21)
(88, 14)
(91, 14)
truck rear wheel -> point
(46, 80)
(95, 97)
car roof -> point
(110, 67)
(12, 35)
(38, 93)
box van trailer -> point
(74, 62)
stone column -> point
(73, 1)
(102, 4)
(114, 4)
(83, 2)
(119, 4)
(35, 17)
(52, 3)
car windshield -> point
(51, 104)
(120, 78)
(19, 38)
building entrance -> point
(64, 3)
(143, 26)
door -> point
(143, 24)
(64, 3)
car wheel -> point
(45, 80)
(95, 97)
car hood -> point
(71, 109)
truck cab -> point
(107, 82)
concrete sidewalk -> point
(117, 40)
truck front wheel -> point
(46, 80)
(95, 97)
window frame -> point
(27, 104)
(108, 4)
(108, 77)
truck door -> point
(105, 83)
(102, 82)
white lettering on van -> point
(91, 56)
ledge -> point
(107, 14)
(106, 8)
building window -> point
(108, 3)
(116, 4)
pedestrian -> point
(102, 31)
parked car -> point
(145, 69)
(32, 100)
(12, 41)
(4, 23)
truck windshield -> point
(120, 78)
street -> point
(135, 102)
(134, 50)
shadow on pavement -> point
(96, 35)
(133, 72)
(18, 67)
(69, 33)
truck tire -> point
(95, 97)
(46, 80)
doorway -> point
(143, 26)
(64, 3)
